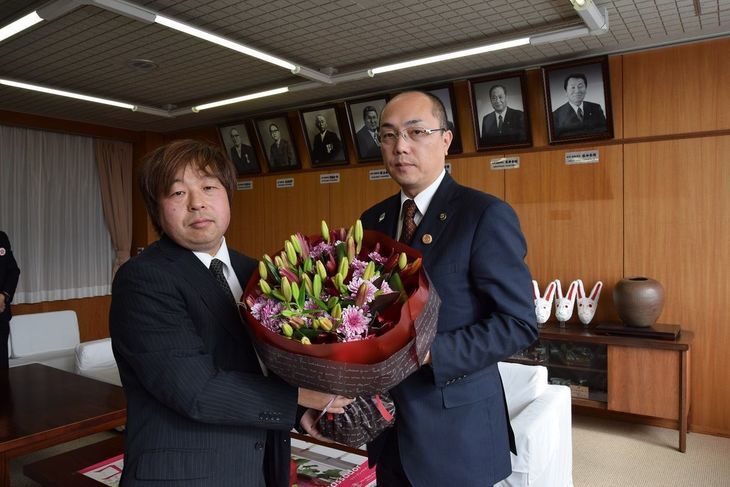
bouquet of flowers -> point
(350, 312)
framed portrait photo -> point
(499, 111)
(445, 93)
(364, 117)
(324, 137)
(236, 139)
(578, 100)
(277, 142)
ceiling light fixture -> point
(595, 19)
(68, 94)
(19, 25)
(452, 55)
(238, 99)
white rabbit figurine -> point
(564, 304)
(587, 305)
(543, 304)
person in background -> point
(504, 125)
(326, 146)
(577, 116)
(367, 137)
(9, 274)
(200, 409)
(243, 155)
(280, 153)
(452, 426)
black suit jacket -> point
(513, 130)
(452, 426)
(366, 145)
(247, 162)
(568, 123)
(199, 409)
(327, 150)
(9, 275)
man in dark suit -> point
(326, 146)
(452, 426)
(576, 116)
(243, 155)
(9, 274)
(504, 125)
(367, 137)
(200, 411)
(280, 153)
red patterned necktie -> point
(409, 224)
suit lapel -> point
(387, 220)
(192, 270)
(437, 216)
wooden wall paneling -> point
(465, 122)
(356, 193)
(477, 173)
(143, 232)
(536, 107)
(675, 90)
(572, 219)
(634, 387)
(616, 73)
(248, 227)
(677, 225)
(92, 314)
(290, 210)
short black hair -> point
(574, 75)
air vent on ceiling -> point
(142, 65)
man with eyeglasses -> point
(280, 153)
(452, 426)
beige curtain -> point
(114, 161)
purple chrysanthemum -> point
(377, 258)
(354, 287)
(265, 310)
(354, 323)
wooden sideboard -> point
(626, 374)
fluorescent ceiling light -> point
(239, 99)
(221, 41)
(452, 55)
(594, 18)
(78, 96)
(19, 25)
(560, 35)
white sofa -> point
(540, 414)
(95, 359)
(49, 338)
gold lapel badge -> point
(427, 239)
(381, 217)
(442, 216)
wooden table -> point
(41, 406)
(62, 470)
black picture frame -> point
(285, 157)
(505, 129)
(564, 124)
(242, 154)
(328, 151)
(445, 93)
(367, 148)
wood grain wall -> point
(657, 203)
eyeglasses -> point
(416, 134)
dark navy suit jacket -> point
(452, 424)
(199, 409)
(568, 123)
(513, 128)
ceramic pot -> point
(638, 300)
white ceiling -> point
(88, 49)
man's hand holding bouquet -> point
(348, 312)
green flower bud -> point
(286, 289)
(267, 258)
(344, 268)
(278, 262)
(295, 291)
(325, 323)
(332, 301)
(287, 330)
(402, 261)
(321, 271)
(262, 270)
(317, 286)
(291, 254)
(369, 271)
(307, 265)
(358, 235)
(339, 283)
(336, 311)
(305, 341)
(325, 231)
(297, 245)
(264, 286)
(351, 248)
(307, 282)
